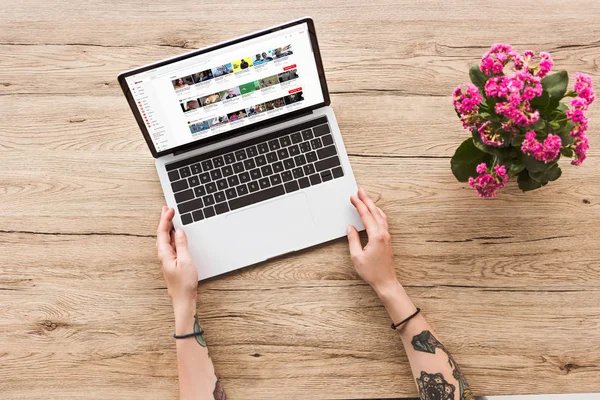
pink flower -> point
(489, 182)
(584, 87)
(546, 64)
(528, 54)
(579, 102)
(466, 103)
(546, 152)
(494, 60)
(488, 136)
(517, 90)
(580, 147)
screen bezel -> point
(234, 132)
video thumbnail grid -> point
(231, 67)
(257, 109)
(246, 88)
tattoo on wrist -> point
(199, 338)
(432, 386)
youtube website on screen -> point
(228, 88)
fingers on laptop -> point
(354, 243)
(365, 215)
(372, 216)
(163, 234)
(373, 209)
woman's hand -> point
(375, 262)
(178, 268)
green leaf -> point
(565, 133)
(556, 84)
(554, 172)
(537, 125)
(539, 176)
(478, 78)
(540, 102)
(562, 107)
(566, 151)
(526, 183)
(515, 169)
(465, 160)
(533, 165)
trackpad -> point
(272, 228)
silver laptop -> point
(247, 149)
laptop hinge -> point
(302, 114)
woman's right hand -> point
(375, 262)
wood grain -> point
(510, 284)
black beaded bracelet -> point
(394, 326)
(187, 335)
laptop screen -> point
(218, 92)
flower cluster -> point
(467, 105)
(489, 181)
(585, 96)
(546, 152)
(520, 121)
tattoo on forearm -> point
(431, 384)
(219, 392)
(197, 328)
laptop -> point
(247, 148)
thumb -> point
(181, 244)
(354, 241)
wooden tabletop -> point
(512, 285)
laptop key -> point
(242, 190)
(240, 155)
(185, 172)
(256, 197)
(221, 208)
(186, 219)
(216, 174)
(252, 151)
(274, 144)
(326, 175)
(249, 164)
(184, 196)
(291, 186)
(272, 157)
(238, 167)
(304, 182)
(288, 163)
(209, 200)
(199, 191)
(262, 148)
(286, 176)
(275, 179)
(227, 170)
(264, 183)
(211, 187)
(173, 175)
(219, 197)
(189, 206)
(244, 177)
(337, 172)
(179, 185)
(309, 169)
(278, 167)
(207, 165)
(294, 150)
(311, 157)
(204, 178)
(327, 163)
(282, 154)
(233, 181)
(296, 137)
(193, 181)
(266, 170)
(209, 212)
(300, 160)
(230, 193)
(261, 160)
(222, 184)
(315, 179)
(304, 147)
(321, 130)
(285, 141)
(253, 186)
(316, 143)
(218, 162)
(307, 134)
(198, 215)
(255, 174)
(327, 140)
(229, 158)
(326, 152)
(196, 169)
(297, 172)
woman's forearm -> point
(436, 373)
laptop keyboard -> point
(247, 173)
